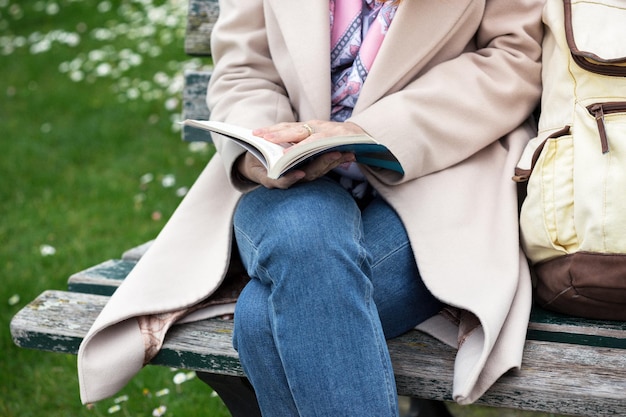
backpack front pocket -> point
(547, 217)
(600, 176)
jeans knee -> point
(305, 220)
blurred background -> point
(91, 164)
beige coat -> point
(450, 82)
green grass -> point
(88, 101)
(74, 154)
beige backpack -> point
(573, 219)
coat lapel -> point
(305, 28)
(418, 30)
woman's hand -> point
(299, 132)
(295, 133)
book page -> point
(278, 161)
(267, 152)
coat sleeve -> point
(461, 105)
(245, 87)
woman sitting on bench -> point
(342, 256)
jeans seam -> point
(390, 378)
(381, 342)
(390, 254)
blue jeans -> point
(329, 283)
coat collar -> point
(305, 27)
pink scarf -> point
(358, 28)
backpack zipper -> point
(598, 110)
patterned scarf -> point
(358, 28)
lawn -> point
(91, 164)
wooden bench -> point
(570, 366)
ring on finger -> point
(308, 128)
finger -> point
(296, 134)
(325, 163)
(271, 129)
(308, 129)
(284, 181)
(286, 132)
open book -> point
(279, 159)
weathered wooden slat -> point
(57, 321)
(563, 378)
(194, 94)
(554, 327)
(101, 279)
(134, 254)
(104, 278)
(555, 377)
(201, 18)
(194, 103)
